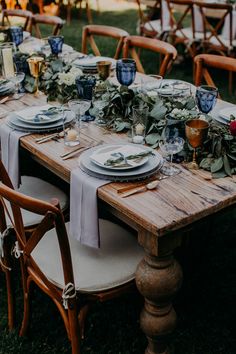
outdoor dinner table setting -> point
(158, 154)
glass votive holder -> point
(138, 128)
(126, 71)
(16, 33)
(72, 129)
(56, 44)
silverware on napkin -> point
(81, 148)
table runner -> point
(10, 141)
(83, 207)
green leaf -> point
(219, 174)
(158, 111)
(217, 165)
(227, 165)
(206, 163)
(120, 126)
(152, 139)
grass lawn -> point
(206, 303)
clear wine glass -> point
(206, 97)
(170, 146)
(80, 107)
(16, 79)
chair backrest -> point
(54, 21)
(27, 15)
(212, 39)
(204, 62)
(28, 240)
(177, 20)
(167, 52)
(90, 31)
(146, 18)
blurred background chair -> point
(53, 21)
(205, 62)
(24, 15)
(74, 276)
(36, 188)
(181, 12)
(90, 31)
(155, 21)
(167, 52)
(216, 37)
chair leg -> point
(10, 300)
(82, 318)
(26, 316)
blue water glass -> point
(16, 34)
(125, 71)
(85, 87)
(56, 44)
(206, 97)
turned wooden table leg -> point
(158, 279)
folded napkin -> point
(125, 150)
(10, 139)
(30, 113)
(83, 207)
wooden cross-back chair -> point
(53, 21)
(148, 26)
(73, 275)
(167, 52)
(90, 31)
(179, 33)
(204, 62)
(213, 41)
(24, 14)
(31, 186)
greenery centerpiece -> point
(218, 154)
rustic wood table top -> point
(178, 202)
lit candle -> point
(139, 129)
(72, 135)
(7, 60)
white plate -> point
(226, 112)
(106, 151)
(29, 114)
(91, 62)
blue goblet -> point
(56, 44)
(16, 34)
(125, 71)
(206, 97)
(85, 87)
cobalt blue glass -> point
(206, 97)
(56, 44)
(85, 87)
(16, 34)
(125, 71)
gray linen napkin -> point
(83, 208)
(10, 140)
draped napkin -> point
(83, 207)
(10, 140)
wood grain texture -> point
(177, 202)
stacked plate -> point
(225, 114)
(6, 87)
(120, 162)
(89, 63)
(39, 119)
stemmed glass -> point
(79, 107)
(16, 80)
(196, 131)
(170, 145)
(36, 65)
(206, 97)
(125, 71)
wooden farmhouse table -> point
(160, 217)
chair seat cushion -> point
(226, 42)
(94, 269)
(155, 25)
(39, 189)
(188, 33)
